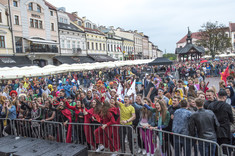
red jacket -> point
(76, 109)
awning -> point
(38, 41)
(160, 61)
(102, 58)
(15, 61)
(74, 59)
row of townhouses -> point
(36, 32)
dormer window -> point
(39, 9)
(79, 23)
(31, 6)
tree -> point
(170, 56)
(213, 38)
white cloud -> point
(164, 21)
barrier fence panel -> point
(159, 142)
(111, 139)
(5, 127)
(227, 150)
(47, 130)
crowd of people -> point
(170, 98)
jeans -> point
(123, 131)
(180, 142)
(206, 148)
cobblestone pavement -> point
(213, 81)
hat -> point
(113, 90)
(13, 92)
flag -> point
(119, 48)
(120, 91)
(117, 79)
(131, 89)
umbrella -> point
(203, 61)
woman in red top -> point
(79, 118)
(103, 134)
(91, 120)
(203, 87)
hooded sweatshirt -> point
(230, 99)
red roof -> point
(50, 6)
(71, 16)
(195, 35)
(232, 27)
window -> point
(104, 47)
(52, 14)
(2, 42)
(17, 20)
(80, 23)
(115, 48)
(0, 17)
(78, 44)
(111, 47)
(96, 46)
(36, 23)
(108, 48)
(92, 45)
(15, 3)
(73, 44)
(38, 8)
(66, 21)
(40, 24)
(31, 23)
(52, 27)
(61, 20)
(62, 43)
(88, 45)
(31, 6)
(100, 46)
(88, 25)
(68, 44)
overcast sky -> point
(164, 21)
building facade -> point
(6, 46)
(232, 35)
(146, 52)
(35, 30)
(138, 52)
(72, 37)
(114, 43)
(128, 49)
(151, 54)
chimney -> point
(135, 31)
(84, 18)
(75, 13)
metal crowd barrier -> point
(228, 150)
(112, 138)
(159, 142)
(117, 139)
(47, 130)
(6, 127)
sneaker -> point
(114, 154)
(139, 150)
(143, 151)
(148, 154)
(100, 148)
(152, 154)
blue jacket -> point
(181, 121)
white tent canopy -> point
(33, 71)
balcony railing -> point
(42, 49)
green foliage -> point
(170, 56)
(214, 38)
